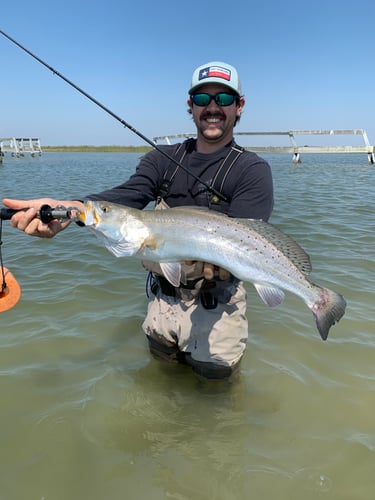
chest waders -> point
(209, 292)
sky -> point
(303, 65)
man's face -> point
(215, 123)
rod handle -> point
(7, 213)
(45, 214)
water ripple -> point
(87, 412)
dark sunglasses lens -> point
(221, 99)
(224, 99)
(201, 99)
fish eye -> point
(105, 208)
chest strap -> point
(222, 173)
(182, 150)
(219, 178)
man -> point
(201, 323)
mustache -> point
(210, 114)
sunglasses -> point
(221, 99)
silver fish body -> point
(252, 250)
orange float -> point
(10, 293)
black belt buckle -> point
(208, 299)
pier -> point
(19, 146)
(294, 149)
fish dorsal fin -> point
(270, 295)
(284, 243)
(172, 272)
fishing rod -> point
(116, 117)
(10, 291)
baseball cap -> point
(216, 72)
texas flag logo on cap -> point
(214, 72)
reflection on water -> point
(87, 414)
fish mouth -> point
(81, 217)
(89, 215)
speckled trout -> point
(252, 250)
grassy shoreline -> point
(96, 149)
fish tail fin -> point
(327, 310)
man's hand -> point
(28, 222)
(208, 270)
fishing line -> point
(116, 117)
(3, 282)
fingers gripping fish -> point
(252, 250)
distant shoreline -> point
(96, 149)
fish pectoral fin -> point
(172, 271)
(270, 295)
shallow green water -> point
(86, 413)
